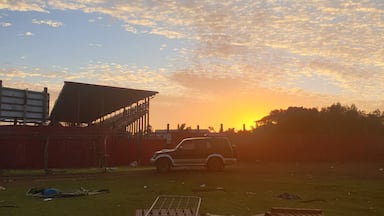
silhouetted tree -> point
(183, 127)
(335, 119)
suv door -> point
(190, 152)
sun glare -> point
(243, 119)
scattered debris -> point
(3, 204)
(288, 196)
(208, 189)
(314, 200)
(55, 193)
(134, 164)
(109, 169)
(294, 212)
(43, 193)
(204, 188)
(251, 193)
(8, 206)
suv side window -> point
(188, 145)
(201, 145)
(194, 145)
(221, 145)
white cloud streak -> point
(50, 23)
(5, 24)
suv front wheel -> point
(215, 164)
(163, 165)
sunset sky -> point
(212, 62)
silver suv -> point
(212, 152)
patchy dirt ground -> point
(245, 189)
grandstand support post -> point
(45, 115)
(77, 109)
(147, 114)
(139, 140)
(104, 163)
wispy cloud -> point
(163, 46)
(28, 34)
(129, 28)
(95, 45)
(129, 76)
(167, 33)
(96, 19)
(50, 23)
(23, 5)
(5, 24)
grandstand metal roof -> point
(84, 103)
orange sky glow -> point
(212, 62)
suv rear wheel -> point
(215, 164)
(163, 165)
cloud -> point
(203, 85)
(28, 34)
(24, 5)
(72, 4)
(130, 28)
(94, 20)
(95, 45)
(50, 23)
(163, 46)
(129, 76)
(167, 33)
(25, 72)
(141, 22)
(5, 24)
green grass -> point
(338, 189)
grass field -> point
(247, 189)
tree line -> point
(334, 119)
(333, 133)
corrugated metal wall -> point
(36, 147)
(44, 147)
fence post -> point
(46, 144)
